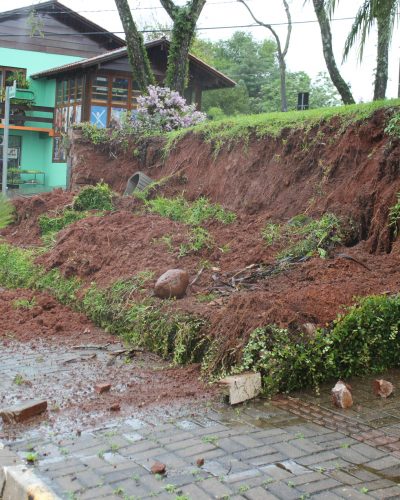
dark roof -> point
(65, 15)
(122, 52)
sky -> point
(305, 51)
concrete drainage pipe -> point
(138, 181)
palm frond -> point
(6, 212)
(361, 27)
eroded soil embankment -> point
(353, 173)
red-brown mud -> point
(44, 339)
(353, 173)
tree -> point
(253, 65)
(247, 61)
(322, 91)
(326, 37)
(383, 13)
(281, 52)
(137, 53)
(185, 20)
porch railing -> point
(22, 113)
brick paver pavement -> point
(259, 451)
(289, 448)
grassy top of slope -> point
(239, 128)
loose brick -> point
(23, 412)
(100, 388)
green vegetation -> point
(192, 214)
(51, 225)
(305, 236)
(98, 197)
(363, 340)
(393, 126)
(239, 129)
(6, 212)
(32, 458)
(394, 216)
(24, 303)
(253, 65)
(18, 379)
(199, 238)
(179, 209)
(121, 309)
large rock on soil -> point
(172, 284)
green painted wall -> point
(37, 148)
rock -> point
(115, 407)
(309, 328)
(382, 388)
(341, 395)
(23, 412)
(100, 388)
(242, 387)
(158, 468)
(172, 284)
(200, 462)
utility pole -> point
(10, 92)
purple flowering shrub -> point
(164, 110)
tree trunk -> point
(326, 37)
(137, 53)
(282, 69)
(185, 19)
(178, 66)
(382, 61)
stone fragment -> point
(158, 468)
(242, 387)
(382, 388)
(100, 388)
(310, 328)
(23, 411)
(172, 284)
(200, 462)
(115, 407)
(341, 395)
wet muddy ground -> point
(293, 447)
(66, 376)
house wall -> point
(37, 147)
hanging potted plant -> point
(19, 106)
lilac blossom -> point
(163, 109)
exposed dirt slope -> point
(352, 172)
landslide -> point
(351, 170)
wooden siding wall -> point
(77, 45)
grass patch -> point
(51, 225)
(305, 236)
(24, 303)
(140, 321)
(241, 127)
(6, 212)
(180, 210)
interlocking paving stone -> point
(260, 452)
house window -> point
(111, 96)
(68, 110)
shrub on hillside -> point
(366, 339)
(164, 110)
(98, 197)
